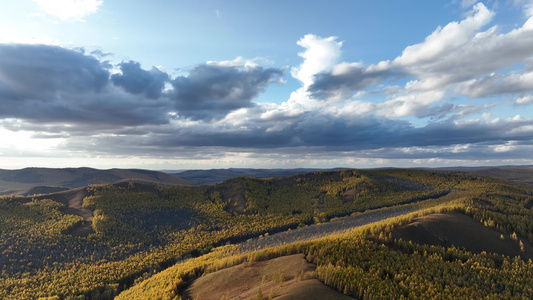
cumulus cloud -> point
(135, 80)
(343, 109)
(69, 9)
(211, 90)
(45, 73)
(460, 52)
(527, 6)
(459, 58)
(320, 54)
(497, 84)
(437, 60)
(428, 55)
(525, 100)
(347, 78)
(51, 84)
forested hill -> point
(48, 180)
(138, 229)
(213, 176)
(30, 181)
(523, 174)
(459, 251)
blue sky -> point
(265, 84)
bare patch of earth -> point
(287, 277)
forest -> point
(151, 240)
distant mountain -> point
(30, 181)
(518, 174)
(209, 177)
(41, 180)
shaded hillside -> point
(24, 180)
(213, 176)
(464, 232)
(39, 190)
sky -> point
(182, 84)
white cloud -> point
(320, 54)
(354, 108)
(524, 100)
(460, 58)
(496, 84)
(237, 62)
(507, 147)
(450, 61)
(444, 41)
(17, 141)
(69, 9)
(460, 52)
(409, 104)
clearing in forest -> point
(462, 231)
(283, 278)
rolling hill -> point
(214, 176)
(364, 234)
(31, 181)
(518, 174)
